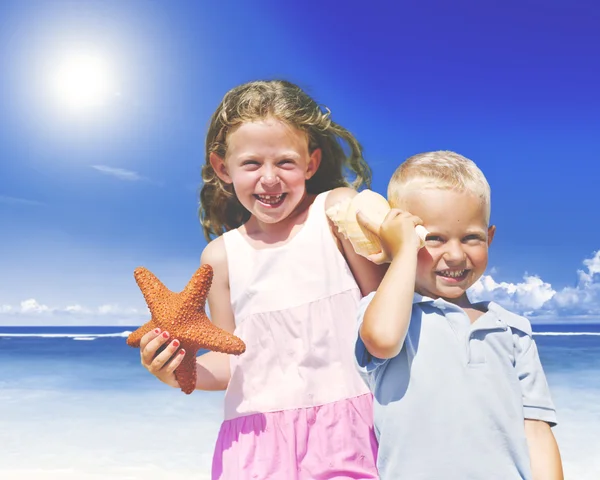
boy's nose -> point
(454, 253)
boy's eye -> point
(286, 161)
(474, 238)
(433, 238)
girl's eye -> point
(251, 163)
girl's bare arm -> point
(368, 275)
(212, 368)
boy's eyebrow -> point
(433, 230)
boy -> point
(459, 389)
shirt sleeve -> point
(537, 403)
(366, 362)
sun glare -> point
(82, 82)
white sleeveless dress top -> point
(295, 307)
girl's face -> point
(268, 163)
(455, 255)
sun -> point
(82, 81)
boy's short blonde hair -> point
(442, 170)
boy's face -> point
(455, 255)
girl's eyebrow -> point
(290, 154)
(250, 155)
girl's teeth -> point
(272, 199)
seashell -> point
(337, 214)
(375, 207)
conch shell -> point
(375, 207)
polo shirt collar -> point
(497, 316)
(489, 306)
(436, 302)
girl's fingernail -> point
(181, 352)
(157, 330)
(165, 335)
(175, 343)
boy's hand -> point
(396, 233)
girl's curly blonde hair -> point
(220, 209)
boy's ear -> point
(491, 232)
(313, 163)
(218, 165)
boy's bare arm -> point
(387, 317)
(543, 451)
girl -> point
(287, 284)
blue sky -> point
(89, 191)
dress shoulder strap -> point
(316, 215)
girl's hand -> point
(163, 364)
(396, 233)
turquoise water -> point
(76, 403)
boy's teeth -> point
(452, 273)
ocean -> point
(75, 403)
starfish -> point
(182, 315)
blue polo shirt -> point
(452, 403)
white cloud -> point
(536, 298)
(19, 201)
(77, 309)
(120, 173)
(32, 306)
(526, 297)
(31, 310)
(593, 264)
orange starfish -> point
(182, 315)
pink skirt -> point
(332, 441)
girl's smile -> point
(271, 200)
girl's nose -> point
(269, 179)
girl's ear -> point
(313, 163)
(491, 232)
(218, 165)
